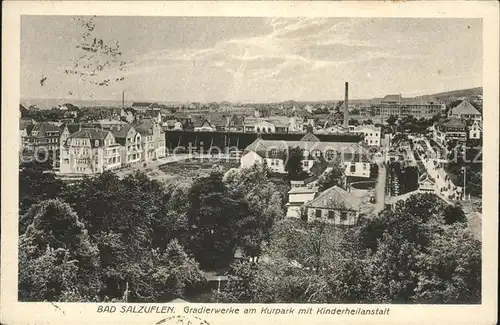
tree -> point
(450, 272)
(175, 273)
(53, 225)
(50, 276)
(368, 122)
(353, 122)
(293, 163)
(35, 186)
(253, 187)
(333, 177)
(392, 120)
(212, 220)
(373, 171)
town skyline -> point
(258, 60)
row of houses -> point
(354, 157)
(463, 123)
(83, 149)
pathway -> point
(380, 188)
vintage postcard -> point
(249, 162)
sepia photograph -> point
(250, 160)
(219, 163)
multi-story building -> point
(235, 124)
(153, 139)
(354, 157)
(372, 134)
(258, 125)
(43, 136)
(399, 106)
(475, 130)
(130, 142)
(297, 197)
(452, 129)
(89, 151)
(336, 206)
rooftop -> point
(335, 198)
(464, 108)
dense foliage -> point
(410, 254)
(107, 238)
(135, 239)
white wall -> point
(249, 159)
(361, 169)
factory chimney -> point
(346, 105)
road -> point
(380, 188)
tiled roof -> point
(92, 134)
(303, 189)
(351, 151)
(121, 131)
(44, 127)
(454, 123)
(392, 98)
(335, 198)
(235, 121)
(25, 124)
(145, 127)
(465, 108)
(309, 137)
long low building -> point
(354, 157)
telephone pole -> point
(465, 172)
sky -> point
(237, 59)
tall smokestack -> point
(123, 99)
(346, 105)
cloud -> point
(299, 43)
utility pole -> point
(125, 295)
(465, 172)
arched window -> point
(269, 130)
(258, 129)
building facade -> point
(399, 106)
(354, 158)
(89, 151)
(335, 206)
(372, 134)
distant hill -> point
(48, 103)
(454, 94)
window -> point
(96, 143)
(353, 168)
(269, 130)
(274, 152)
(330, 154)
(317, 153)
(272, 162)
(343, 215)
(318, 213)
(331, 214)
